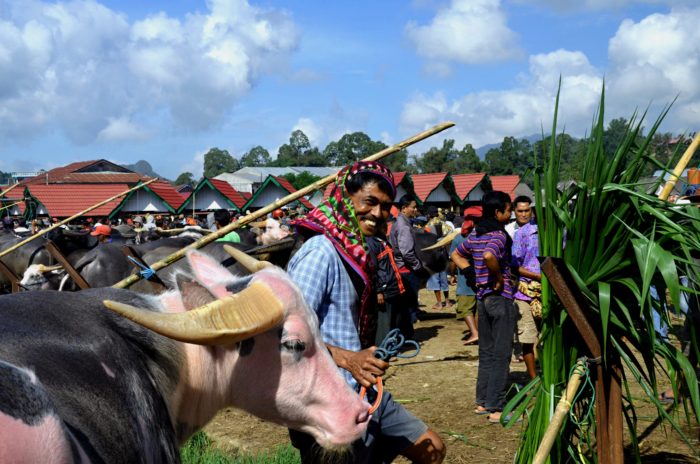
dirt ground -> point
(438, 386)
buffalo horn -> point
(42, 269)
(446, 240)
(232, 319)
(253, 265)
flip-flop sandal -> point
(506, 419)
(471, 342)
(481, 412)
(665, 399)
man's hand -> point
(380, 299)
(498, 284)
(363, 366)
(452, 280)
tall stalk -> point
(617, 241)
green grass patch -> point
(200, 450)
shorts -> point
(466, 306)
(438, 282)
(526, 327)
(391, 430)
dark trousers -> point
(394, 314)
(497, 316)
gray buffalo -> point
(81, 383)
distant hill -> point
(481, 151)
(143, 167)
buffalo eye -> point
(295, 346)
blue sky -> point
(167, 80)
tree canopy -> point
(217, 161)
(185, 178)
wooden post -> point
(9, 275)
(77, 215)
(58, 256)
(167, 261)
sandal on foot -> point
(481, 411)
(471, 342)
(666, 398)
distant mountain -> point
(143, 167)
(481, 151)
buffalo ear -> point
(209, 273)
(193, 295)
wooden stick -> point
(59, 224)
(560, 413)
(168, 260)
(10, 206)
(680, 167)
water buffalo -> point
(80, 383)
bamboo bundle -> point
(680, 167)
(9, 189)
(10, 206)
(278, 204)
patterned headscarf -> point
(336, 219)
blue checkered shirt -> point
(320, 273)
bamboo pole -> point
(77, 215)
(168, 260)
(680, 167)
(560, 413)
(10, 188)
(10, 206)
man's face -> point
(523, 213)
(410, 210)
(504, 216)
(372, 207)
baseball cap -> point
(102, 229)
(473, 211)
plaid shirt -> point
(328, 290)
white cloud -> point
(195, 166)
(486, 117)
(80, 68)
(312, 130)
(466, 31)
(121, 129)
(583, 5)
(650, 63)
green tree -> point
(302, 179)
(256, 156)
(185, 178)
(465, 161)
(299, 152)
(614, 134)
(512, 157)
(217, 161)
(437, 159)
(350, 148)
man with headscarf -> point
(334, 273)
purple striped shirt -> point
(476, 246)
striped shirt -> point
(476, 246)
(320, 274)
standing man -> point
(527, 296)
(522, 208)
(403, 243)
(490, 246)
(333, 271)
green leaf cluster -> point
(617, 241)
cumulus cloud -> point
(650, 63)
(83, 69)
(313, 131)
(466, 31)
(582, 5)
(486, 117)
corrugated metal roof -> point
(424, 184)
(505, 183)
(225, 189)
(465, 183)
(245, 177)
(64, 200)
(68, 175)
(168, 193)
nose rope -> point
(391, 346)
(145, 272)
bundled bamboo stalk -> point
(278, 204)
(680, 167)
(9, 189)
(75, 216)
(10, 206)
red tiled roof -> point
(228, 191)
(246, 195)
(285, 184)
(68, 175)
(424, 184)
(398, 177)
(465, 183)
(168, 193)
(505, 183)
(64, 200)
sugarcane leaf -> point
(604, 307)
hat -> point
(473, 211)
(101, 230)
